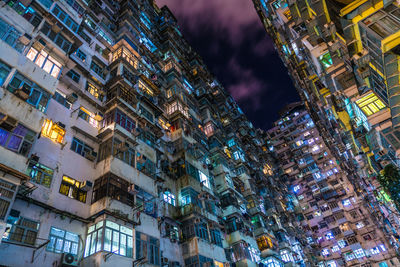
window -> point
(35, 95)
(174, 106)
(103, 35)
(208, 129)
(77, 7)
(169, 198)
(370, 104)
(118, 239)
(127, 55)
(63, 241)
(65, 18)
(40, 174)
(114, 187)
(71, 188)
(88, 116)
(21, 230)
(188, 87)
(7, 191)
(145, 20)
(53, 131)
(57, 38)
(94, 91)
(145, 165)
(149, 44)
(204, 179)
(147, 114)
(349, 256)
(144, 88)
(4, 71)
(335, 248)
(81, 148)
(94, 239)
(201, 231)
(148, 247)
(326, 60)
(264, 242)
(46, 62)
(346, 203)
(60, 98)
(80, 55)
(27, 13)
(216, 237)
(98, 68)
(19, 139)
(10, 35)
(254, 254)
(359, 253)
(74, 76)
(286, 256)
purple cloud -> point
(247, 87)
(230, 17)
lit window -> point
(208, 129)
(299, 143)
(326, 60)
(53, 131)
(88, 116)
(286, 256)
(359, 253)
(360, 225)
(325, 252)
(342, 243)
(72, 189)
(21, 230)
(40, 174)
(204, 179)
(169, 198)
(335, 248)
(63, 241)
(127, 55)
(329, 236)
(315, 148)
(142, 86)
(94, 90)
(370, 104)
(45, 62)
(296, 188)
(109, 236)
(382, 247)
(349, 256)
(346, 202)
(374, 250)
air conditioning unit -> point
(91, 156)
(69, 259)
(25, 39)
(23, 92)
(86, 185)
(8, 123)
(72, 98)
(61, 125)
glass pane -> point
(87, 245)
(74, 248)
(122, 248)
(112, 225)
(99, 235)
(107, 240)
(57, 232)
(67, 246)
(115, 242)
(129, 249)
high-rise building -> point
(337, 218)
(342, 57)
(119, 148)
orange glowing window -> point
(53, 131)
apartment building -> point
(119, 148)
(342, 58)
(336, 216)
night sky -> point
(230, 37)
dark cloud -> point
(227, 17)
(233, 43)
